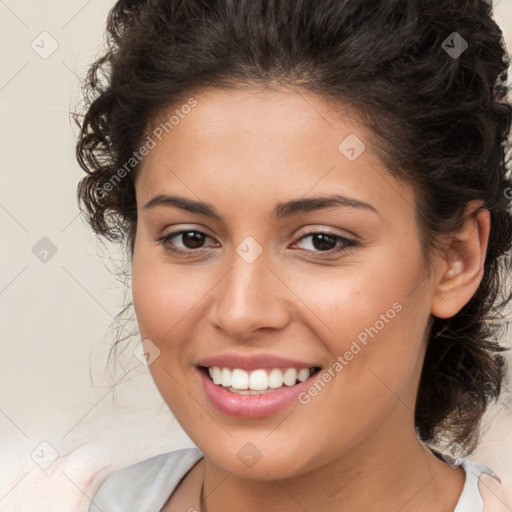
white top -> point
(146, 485)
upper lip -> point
(253, 362)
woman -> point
(315, 200)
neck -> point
(401, 474)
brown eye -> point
(323, 242)
(327, 242)
(191, 240)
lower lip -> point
(252, 406)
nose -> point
(251, 297)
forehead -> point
(281, 118)
(283, 143)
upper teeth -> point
(257, 379)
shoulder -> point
(483, 490)
(145, 485)
(493, 495)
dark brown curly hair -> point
(427, 77)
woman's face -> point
(275, 281)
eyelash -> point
(347, 244)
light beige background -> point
(55, 315)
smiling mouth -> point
(259, 381)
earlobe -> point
(461, 267)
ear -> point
(460, 269)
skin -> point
(353, 446)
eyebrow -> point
(282, 210)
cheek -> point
(163, 300)
(165, 296)
(374, 319)
(341, 303)
(376, 358)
